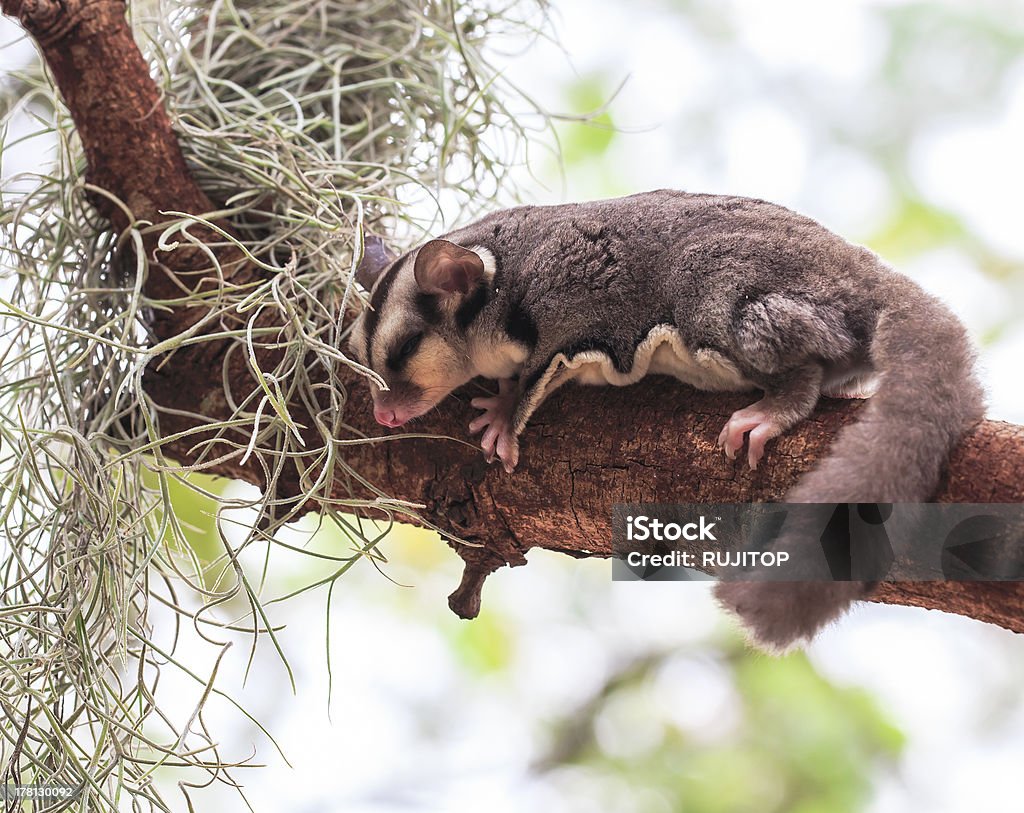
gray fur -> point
(792, 307)
(764, 286)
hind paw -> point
(761, 425)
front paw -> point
(498, 441)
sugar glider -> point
(725, 293)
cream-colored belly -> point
(664, 353)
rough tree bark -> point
(585, 450)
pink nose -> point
(386, 417)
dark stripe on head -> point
(428, 308)
(399, 355)
(377, 300)
(471, 307)
(520, 326)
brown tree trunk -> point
(584, 451)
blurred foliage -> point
(794, 742)
(485, 646)
(586, 134)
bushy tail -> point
(894, 452)
(928, 397)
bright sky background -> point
(410, 732)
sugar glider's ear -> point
(445, 268)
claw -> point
(498, 441)
(508, 451)
(761, 426)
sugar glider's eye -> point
(399, 354)
(409, 347)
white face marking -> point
(393, 323)
(357, 339)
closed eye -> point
(405, 350)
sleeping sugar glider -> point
(725, 293)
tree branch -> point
(585, 450)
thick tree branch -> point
(130, 149)
(585, 450)
(589, 448)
